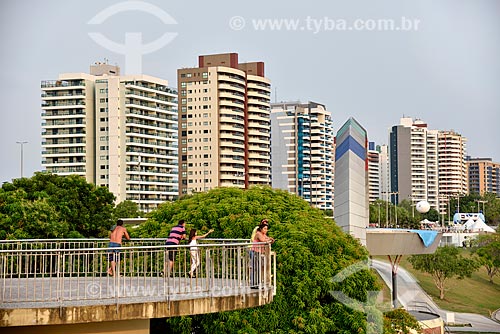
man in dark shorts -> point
(115, 241)
(177, 233)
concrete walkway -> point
(412, 296)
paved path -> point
(412, 296)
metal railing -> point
(56, 273)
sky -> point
(438, 61)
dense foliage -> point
(445, 263)
(310, 249)
(51, 206)
(126, 209)
(487, 247)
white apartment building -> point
(384, 172)
(414, 162)
(116, 131)
(303, 151)
(374, 173)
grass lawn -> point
(470, 295)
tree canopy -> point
(445, 263)
(487, 247)
(51, 206)
(310, 248)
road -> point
(410, 295)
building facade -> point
(116, 131)
(452, 172)
(351, 180)
(483, 176)
(385, 175)
(414, 163)
(224, 124)
(302, 149)
(374, 173)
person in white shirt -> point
(193, 250)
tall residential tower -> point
(116, 131)
(414, 162)
(224, 125)
(302, 148)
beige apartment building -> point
(116, 131)
(483, 176)
(452, 152)
(224, 124)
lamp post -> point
(378, 203)
(458, 201)
(22, 155)
(478, 202)
(395, 206)
(410, 197)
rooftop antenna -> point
(275, 94)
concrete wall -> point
(122, 327)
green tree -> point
(399, 321)
(126, 209)
(444, 264)
(311, 249)
(432, 215)
(48, 205)
(487, 247)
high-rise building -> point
(374, 176)
(351, 180)
(484, 176)
(452, 167)
(302, 148)
(385, 176)
(116, 131)
(414, 162)
(224, 124)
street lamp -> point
(458, 201)
(412, 206)
(480, 201)
(22, 155)
(378, 203)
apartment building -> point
(384, 172)
(483, 176)
(224, 124)
(116, 131)
(302, 150)
(374, 173)
(414, 162)
(452, 171)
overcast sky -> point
(445, 69)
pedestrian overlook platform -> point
(65, 282)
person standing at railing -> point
(115, 241)
(177, 233)
(251, 252)
(259, 252)
(193, 250)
